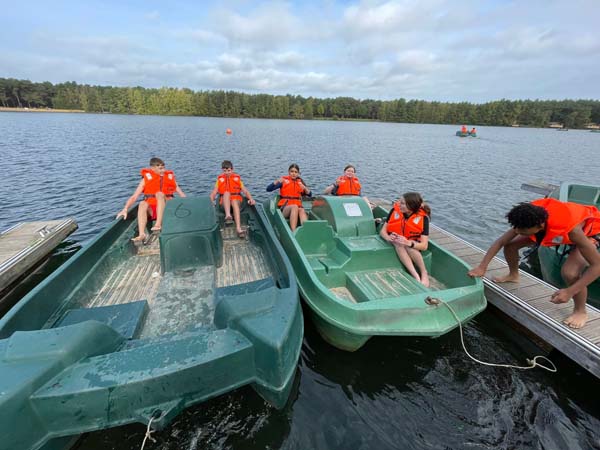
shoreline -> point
(50, 110)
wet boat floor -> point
(180, 299)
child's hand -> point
(251, 202)
(122, 213)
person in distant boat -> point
(347, 184)
(229, 186)
(473, 131)
(549, 222)
(407, 229)
(158, 186)
(291, 189)
(463, 129)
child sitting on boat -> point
(549, 222)
(291, 189)
(407, 229)
(158, 185)
(229, 186)
(347, 184)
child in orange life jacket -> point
(407, 229)
(229, 186)
(550, 222)
(347, 184)
(291, 189)
(158, 185)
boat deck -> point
(25, 244)
(527, 302)
(184, 297)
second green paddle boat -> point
(354, 283)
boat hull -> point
(71, 366)
(354, 284)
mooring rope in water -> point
(155, 415)
(532, 362)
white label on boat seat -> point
(352, 210)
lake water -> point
(395, 393)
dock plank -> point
(26, 244)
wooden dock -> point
(528, 303)
(25, 244)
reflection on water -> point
(394, 393)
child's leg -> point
(511, 253)
(161, 201)
(142, 219)
(571, 272)
(291, 212)
(303, 216)
(226, 197)
(417, 258)
(406, 261)
(235, 205)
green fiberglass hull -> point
(552, 258)
(354, 283)
(121, 334)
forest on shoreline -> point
(182, 101)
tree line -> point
(182, 101)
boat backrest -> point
(587, 195)
(315, 237)
(190, 235)
(347, 215)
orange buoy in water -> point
(228, 131)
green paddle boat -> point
(461, 134)
(552, 258)
(354, 283)
(123, 333)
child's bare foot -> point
(425, 279)
(139, 238)
(506, 279)
(576, 320)
(156, 228)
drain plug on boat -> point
(432, 301)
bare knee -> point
(570, 274)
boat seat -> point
(125, 318)
(334, 260)
(587, 195)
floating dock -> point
(26, 244)
(528, 303)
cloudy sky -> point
(458, 50)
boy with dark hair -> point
(229, 186)
(550, 222)
(158, 185)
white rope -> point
(532, 362)
(148, 434)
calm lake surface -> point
(394, 393)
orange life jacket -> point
(290, 192)
(463, 130)
(348, 186)
(563, 217)
(154, 183)
(410, 227)
(232, 183)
